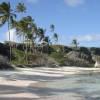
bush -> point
(56, 55)
(95, 51)
(84, 50)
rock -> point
(4, 50)
(97, 60)
(97, 65)
(77, 58)
(4, 63)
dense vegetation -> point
(54, 56)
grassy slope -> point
(57, 54)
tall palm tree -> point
(41, 36)
(41, 33)
(26, 28)
(32, 35)
(22, 30)
(47, 41)
(7, 14)
(75, 43)
(55, 37)
(52, 29)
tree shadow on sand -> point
(25, 77)
(42, 90)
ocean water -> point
(85, 85)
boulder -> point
(77, 58)
(97, 64)
(97, 60)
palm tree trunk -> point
(42, 49)
(30, 46)
(9, 40)
(23, 42)
(24, 47)
(26, 51)
(34, 46)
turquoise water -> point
(86, 85)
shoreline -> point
(29, 83)
(63, 70)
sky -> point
(78, 19)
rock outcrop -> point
(76, 58)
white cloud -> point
(87, 37)
(33, 1)
(12, 35)
(74, 3)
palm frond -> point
(3, 20)
(55, 36)
(21, 8)
(4, 8)
(52, 28)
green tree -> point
(28, 29)
(46, 42)
(41, 36)
(7, 14)
(55, 37)
(75, 43)
(41, 33)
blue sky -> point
(73, 19)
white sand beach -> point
(32, 84)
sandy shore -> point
(31, 84)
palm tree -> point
(26, 28)
(41, 33)
(7, 14)
(32, 36)
(47, 42)
(22, 30)
(55, 37)
(41, 36)
(75, 43)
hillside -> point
(51, 56)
